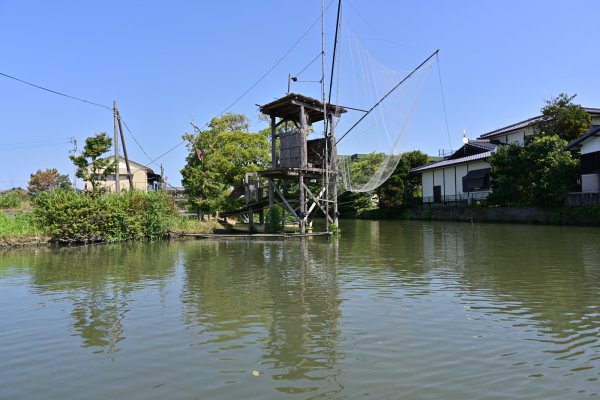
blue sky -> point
(171, 63)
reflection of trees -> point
(548, 274)
(98, 281)
(235, 293)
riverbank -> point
(65, 217)
(572, 216)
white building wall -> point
(590, 145)
(450, 179)
(448, 188)
(590, 183)
(427, 182)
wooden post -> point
(303, 129)
(129, 175)
(273, 160)
(333, 170)
(302, 204)
(116, 140)
(303, 165)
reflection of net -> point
(369, 152)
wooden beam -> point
(283, 199)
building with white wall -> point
(464, 175)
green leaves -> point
(72, 217)
(563, 118)
(90, 167)
(538, 174)
(229, 152)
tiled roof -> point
(524, 124)
(482, 144)
(593, 131)
(456, 161)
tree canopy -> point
(92, 168)
(402, 185)
(218, 159)
(539, 173)
(46, 180)
(563, 118)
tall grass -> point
(18, 226)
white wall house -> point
(464, 175)
(461, 177)
(589, 147)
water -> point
(390, 310)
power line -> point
(135, 140)
(276, 64)
(54, 91)
(443, 100)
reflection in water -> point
(547, 285)
(391, 309)
(276, 287)
(98, 282)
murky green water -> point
(390, 310)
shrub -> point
(75, 217)
(13, 199)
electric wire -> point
(443, 99)
(309, 64)
(55, 92)
(274, 65)
(220, 114)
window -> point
(477, 179)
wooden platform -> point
(246, 236)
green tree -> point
(563, 118)
(402, 185)
(92, 168)
(218, 159)
(538, 174)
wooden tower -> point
(301, 160)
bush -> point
(13, 199)
(73, 217)
(274, 219)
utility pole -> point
(74, 152)
(116, 140)
(162, 178)
(129, 175)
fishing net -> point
(380, 102)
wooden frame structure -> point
(300, 160)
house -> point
(144, 178)
(464, 175)
(588, 146)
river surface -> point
(387, 310)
